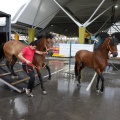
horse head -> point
(45, 43)
(112, 46)
(49, 46)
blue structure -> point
(99, 40)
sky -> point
(11, 6)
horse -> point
(12, 48)
(50, 51)
(96, 60)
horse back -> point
(83, 54)
(86, 57)
(13, 47)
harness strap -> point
(44, 65)
(108, 47)
(32, 65)
(27, 69)
(48, 49)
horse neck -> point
(41, 45)
(103, 49)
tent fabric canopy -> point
(46, 15)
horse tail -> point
(75, 69)
(2, 55)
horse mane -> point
(101, 38)
(40, 38)
(114, 41)
(39, 43)
(36, 42)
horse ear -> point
(110, 37)
(49, 36)
(116, 40)
(39, 37)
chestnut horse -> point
(96, 60)
(12, 48)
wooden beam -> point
(22, 80)
(10, 73)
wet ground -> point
(64, 99)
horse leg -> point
(11, 65)
(79, 68)
(41, 81)
(102, 85)
(100, 76)
(8, 62)
(49, 72)
(76, 70)
(97, 85)
(79, 73)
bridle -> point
(109, 48)
(48, 49)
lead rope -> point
(27, 69)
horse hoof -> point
(101, 91)
(79, 85)
(97, 91)
(49, 78)
(44, 92)
(14, 77)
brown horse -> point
(12, 48)
(96, 60)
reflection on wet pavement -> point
(65, 100)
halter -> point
(47, 48)
(109, 48)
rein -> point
(34, 66)
(48, 49)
